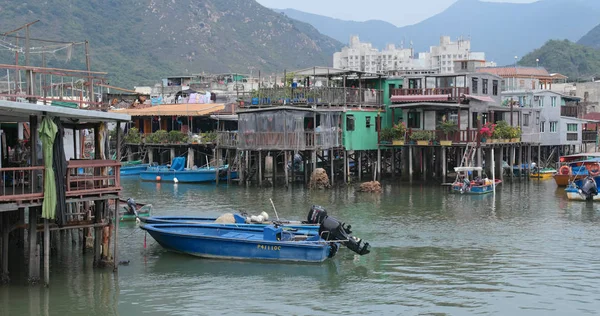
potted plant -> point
(133, 136)
(399, 134)
(386, 136)
(503, 131)
(447, 127)
(175, 137)
(486, 132)
(421, 137)
(515, 134)
(160, 137)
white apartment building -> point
(363, 57)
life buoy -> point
(565, 170)
(594, 169)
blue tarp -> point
(178, 164)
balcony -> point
(570, 111)
(454, 93)
(589, 136)
(316, 96)
(307, 140)
(84, 178)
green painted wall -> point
(396, 83)
(362, 137)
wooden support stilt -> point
(34, 260)
(116, 239)
(150, 155)
(359, 154)
(528, 161)
(378, 175)
(172, 152)
(393, 163)
(286, 159)
(410, 163)
(260, 169)
(444, 165)
(4, 227)
(313, 157)
(345, 166)
(98, 207)
(46, 253)
(331, 165)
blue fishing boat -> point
(240, 221)
(464, 185)
(178, 173)
(269, 242)
(133, 170)
(241, 243)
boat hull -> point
(133, 170)
(562, 180)
(475, 190)
(209, 241)
(574, 195)
(211, 221)
(187, 176)
(543, 175)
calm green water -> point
(526, 251)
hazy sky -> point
(398, 12)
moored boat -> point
(132, 168)
(577, 167)
(252, 242)
(584, 190)
(240, 221)
(177, 173)
(230, 242)
(464, 185)
(544, 173)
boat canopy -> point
(579, 157)
(460, 169)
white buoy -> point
(175, 180)
(265, 215)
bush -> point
(387, 134)
(209, 137)
(133, 136)
(399, 131)
(176, 137)
(158, 137)
(503, 130)
(422, 135)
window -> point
(572, 136)
(414, 120)
(537, 118)
(553, 125)
(543, 127)
(495, 87)
(368, 120)
(525, 119)
(553, 102)
(463, 65)
(541, 101)
(474, 86)
(349, 122)
(485, 86)
(571, 127)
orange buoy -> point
(157, 178)
(565, 170)
(594, 169)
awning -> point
(420, 98)
(181, 109)
(480, 98)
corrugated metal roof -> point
(180, 109)
(420, 98)
(516, 71)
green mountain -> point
(576, 61)
(592, 38)
(140, 41)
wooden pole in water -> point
(285, 167)
(444, 165)
(359, 170)
(260, 169)
(378, 177)
(331, 161)
(34, 269)
(46, 253)
(410, 163)
(346, 166)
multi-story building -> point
(555, 115)
(440, 59)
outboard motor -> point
(589, 189)
(132, 207)
(332, 229)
